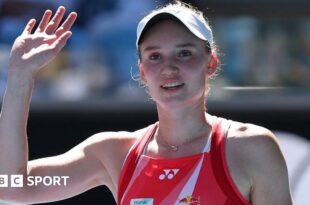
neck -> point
(183, 125)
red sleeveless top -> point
(200, 179)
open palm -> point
(33, 50)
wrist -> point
(18, 77)
(18, 74)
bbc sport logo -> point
(17, 180)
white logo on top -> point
(168, 173)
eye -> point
(155, 56)
(184, 53)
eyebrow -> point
(149, 48)
(186, 45)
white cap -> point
(194, 21)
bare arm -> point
(31, 51)
(29, 54)
(266, 167)
(76, 171)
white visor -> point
(192, 20)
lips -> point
(172, 85)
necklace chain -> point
(175, 148)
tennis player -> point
(187, 157)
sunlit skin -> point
(174, 67)
(178, 57)
(33, 49)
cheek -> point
(195, 67)
(149, 70)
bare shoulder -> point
(256, 146)
(105, 145)
(255, 142)
(120, 139)
(245, 130)
(111, 149)
(257, 163)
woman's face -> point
(173, 64)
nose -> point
(169, 67)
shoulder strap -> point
(131, 162)
(219, 163)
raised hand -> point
(33, 50)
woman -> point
(187, 157)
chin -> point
(174, 102)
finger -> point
(61, 42)
(29, 27)
(54, 23)
(66, 26)
(44, 21)
(69, 21)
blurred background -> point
(264, 48)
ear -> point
(213, 64)
(142, 75)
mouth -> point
(172, 85)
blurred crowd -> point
(100, 60)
